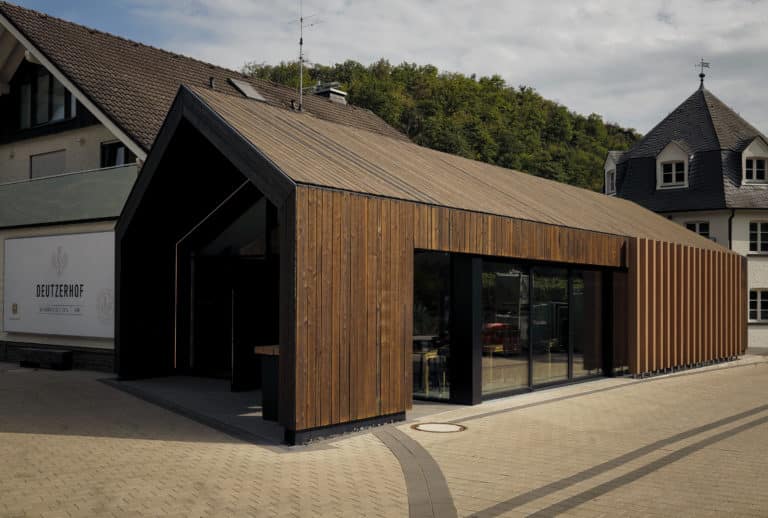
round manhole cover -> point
(439, 427)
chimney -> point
(331, 91)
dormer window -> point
(754, 170)
(610, 182)
(672, 167)
(673, 174)
(754, 159)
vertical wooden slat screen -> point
(688, 305)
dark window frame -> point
(32, 80)
(699, 228)
(105, 157)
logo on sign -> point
(105, 304)
(59, 260)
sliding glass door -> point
(550, 325)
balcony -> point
(66, 198)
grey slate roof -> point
(715, 135)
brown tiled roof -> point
(135, 84)
(317, 152)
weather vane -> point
(701, 66)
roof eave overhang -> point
(97, 112)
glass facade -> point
(505, 338)
(431, 325)
(533, 325)
(587, 323)
(550, 325)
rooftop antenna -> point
(302, 26)
(701, 66)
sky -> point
(630, 61)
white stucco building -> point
(704, 167)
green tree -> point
(480, 118)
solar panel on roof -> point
(247, 90)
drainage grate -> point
(439, 427)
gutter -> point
(730, 229)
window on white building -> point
(610, 182)
(754, 170)
(700, 227)
(673, 174)
(758, 237)
(758, 305)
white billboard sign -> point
(60, 285)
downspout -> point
(730, 229)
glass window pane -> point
(431, 325)
(587, 322)
(667, 178)
(667, 168)
(704, 228)
(72, 106)
(753, 314)
(26, 106)
(59, 98)
(760, 170)
(506, 312)
(691, 226)
(753, 227)
(43, 90)
(680, 177)
(680, 167)
(549, 325)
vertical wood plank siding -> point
(686, 305)
(354, 296)
(354, 293)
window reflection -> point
(587, 299)
(506, 308)
(549, 325)
(431, 325)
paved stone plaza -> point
(693, 443)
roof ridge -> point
(707, 95)
(708, 109)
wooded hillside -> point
(483, 119)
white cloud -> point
(630, 61)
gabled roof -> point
(134, 84)
(703, 123)
(615, 156)
(311, 151)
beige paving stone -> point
(552, 455)
(691, 444)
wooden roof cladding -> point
(317, 152)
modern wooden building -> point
(385, 271)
